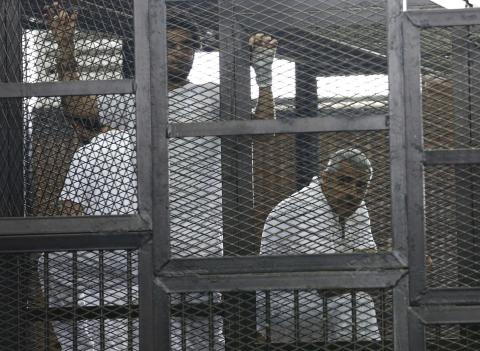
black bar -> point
(67, 88)
(452, 157)
(275, 264)
(13, 324)
(444, 17)
(72, 241)
(303, 124)
(306, 105)
(83, 313)
(285, 280)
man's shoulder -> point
(190, 90)
(294, 202)
(111, 140)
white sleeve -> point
(277, 231)
(78, 179)
(359, 236)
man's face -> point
(180, 54)
(345, 189)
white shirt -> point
(304, 223)
(102, 178)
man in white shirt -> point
(102, 181)
(326, 217)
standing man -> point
(326, 217)
(102, 181)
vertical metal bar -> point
(130, 334)
(414, 147)
(325, 317)
(437, 337)
(398, 170)
(306, 105)
(159, 142)
(401, 317)
(296, 316)
(397, 126)
(354, 319)
(465, 100)
(237, 189)
(183, 323)
(383, 314)
(101, 277)
(416, 333)
(211, 323)
(75, 299)
(268, 319)
(46, 301)
(229, 158)
(475, 172)
(235, 103)
(154, 306)
(461, 62)
(152, 100)
(148, 102)
(11, 167)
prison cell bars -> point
(432, 306)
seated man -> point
(102, 181)
(326, 217)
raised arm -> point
(264, 48)
(62, 25)
(273, 164)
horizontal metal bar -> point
(73, 241)
(271, 14)
(82, 313)
(447, 314)
(421, 3)
(444, 17)
(284, 280)
(81, 224)
(272, 264)
(294, 125)
(451, 157)
(67, 88)
(454, 296)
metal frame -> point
(318, 271)
(414, 22)
(402, 270)
(429, 306)
(50, 228)
(299, 125)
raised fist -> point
(263, 48)
(61, 22)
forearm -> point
(67, 68)
(265, 108)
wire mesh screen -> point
(94, 37)
(282, 320)
(451, 226)
(73, 168)
(79, 149)
(450, 87)
(274, 218)
(454, 337)
(76, 300)
(345, 54)
(451, 121)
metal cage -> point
(154, 276)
